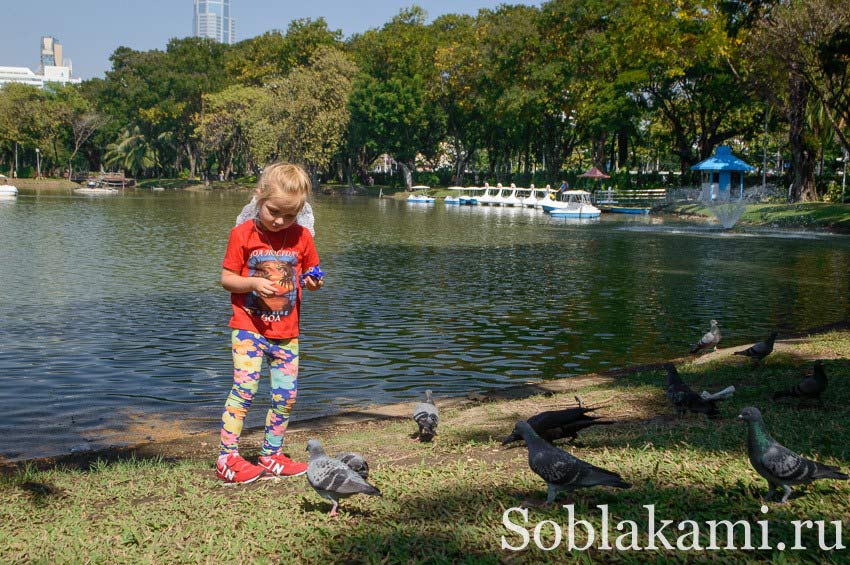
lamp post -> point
(844, 178)
(38, 162)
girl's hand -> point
(264, 287)
(312, 284)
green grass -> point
(816, 215)
(443, 502)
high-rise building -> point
(51, 52)
(213, 20)
(52, 68)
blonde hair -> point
(280, 178)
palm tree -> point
(132, 152)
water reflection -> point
(114, 326)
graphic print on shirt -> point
(279, 268)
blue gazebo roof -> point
(722, 160)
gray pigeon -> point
(709, 340)
(811, 387)
(684, 399)
(557, 424)
(560, 470)
(760, 350)
(779, 465)
(426, 416)
(332, 478)
(356, 463)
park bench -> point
(647, 197)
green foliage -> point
(519, 92)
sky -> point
(91, 30)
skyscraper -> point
(51, 52)
(212, 19)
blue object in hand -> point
(315, 272)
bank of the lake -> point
(445, 501)
(809, 215)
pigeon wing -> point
(786, 465)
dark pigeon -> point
(779, 465)
(684, 399)
(332, 478)
(760, 350)
(709, 340)
(356, 463)
(426, 416)
(810, 388)
(557, 424)
(560, 470)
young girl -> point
(266, 260)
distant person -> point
(564, 186)
(268, 258)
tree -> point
(271, 56)
(680, 61)
(392, 110)
(306, 114)
(80, 120)
(226, 124)
(27, 118)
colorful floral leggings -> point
(248, 351)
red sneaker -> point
(236, 470)
(279, 465)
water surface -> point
(113, 324)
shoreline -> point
(202, 443)
(449, 500)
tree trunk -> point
(802, 154)
(191, 156)
(598, 150)
(622, 148)
(408, 176)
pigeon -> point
(709, 340)
(779, 465)
(356, 463)
(811, 387)
(760, 350)
(426, 416)
(560, 470)
(685, 399)
(332, 478)
(558, 424)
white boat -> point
(573, 204)
(490, 193)
(500, 195)
(511, 199)
(533, 200)
(96, 190)
(455, 199)
(421, 197)
(468, 196)
(7, 190)
(546, 195)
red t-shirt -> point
(280, 257)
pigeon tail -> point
(828, 472)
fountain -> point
(719, 175)
(727, 210)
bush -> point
(833, 192)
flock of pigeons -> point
(346, 474)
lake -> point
(113, 322)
